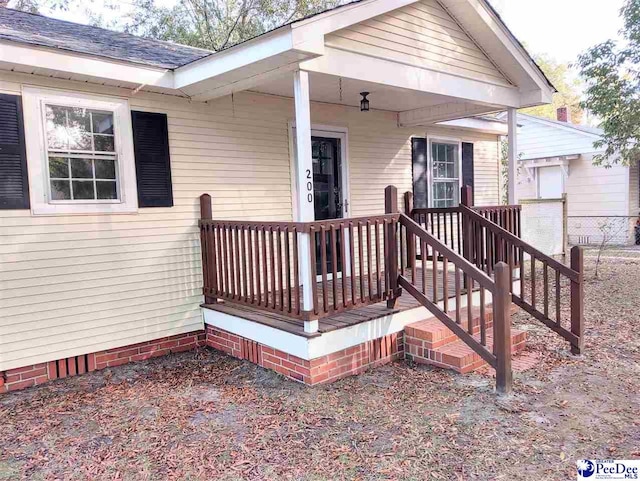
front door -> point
(328, 194)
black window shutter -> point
(153, 166)
(419, 162)
(467, 165)
(14, 182)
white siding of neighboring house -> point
(422, 34)
(538, 139)
(71, 285)
(592, 190)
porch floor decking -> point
(342, 319)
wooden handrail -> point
(516, 241)
(473, 336)
(466, 266)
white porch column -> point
(304, 200)
(512, 126)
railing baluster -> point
(280, 267)
(287, 257)
(252, 292)
(361, 260)
(314, 273)
(244, 264)
(334, 265)
(470, 305)
(369, 278)
(546, 289)
(434, 268)
(445, 283)
(296, 272)
(483, 324)
(343, 264)
(237, 262)
(227, 272)
(272, 265)
(423, 248)
(265, 266)
(323, 268)
(352, 242)
(533, 282)
(458, 293)
(558, 294)
(376, 226)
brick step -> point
(457, 355)
(434, 334)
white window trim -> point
(34, 99)
(442, 140)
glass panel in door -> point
(328, 195)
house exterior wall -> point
(538, 139)
(72, 285)
(422, 34)
(634, 190)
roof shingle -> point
(35, 29)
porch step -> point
(430, 342)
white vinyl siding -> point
(71, 285)
(538, 139)
(422, 34)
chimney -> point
(564, 114)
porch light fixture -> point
(364, 103)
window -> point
(79, 153)
(550, 182)
(445, 173)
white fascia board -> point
(278, 42)
(356, 66)
(560, 125)
(347, 15)
(74, 63)
(517, 52)
(478, 125)
(441, 113)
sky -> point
(560, 28)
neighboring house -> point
(107, 142)
(556, 158)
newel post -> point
(466, 198)
(391, 252)
(411, 238)
(502, 329)
(209, 270)
(577, 300)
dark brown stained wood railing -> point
(258, 263)
(495, 347)
(540, 283)
(353, 262)
(446, 223)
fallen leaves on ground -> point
(202, 415)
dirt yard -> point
(202, 415)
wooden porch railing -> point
(260, 263)
(549, 302)
(446, 223)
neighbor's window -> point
(445, 168)
(81, 154)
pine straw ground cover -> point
(202, 415)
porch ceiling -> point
(415, 107)
(346, 91)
